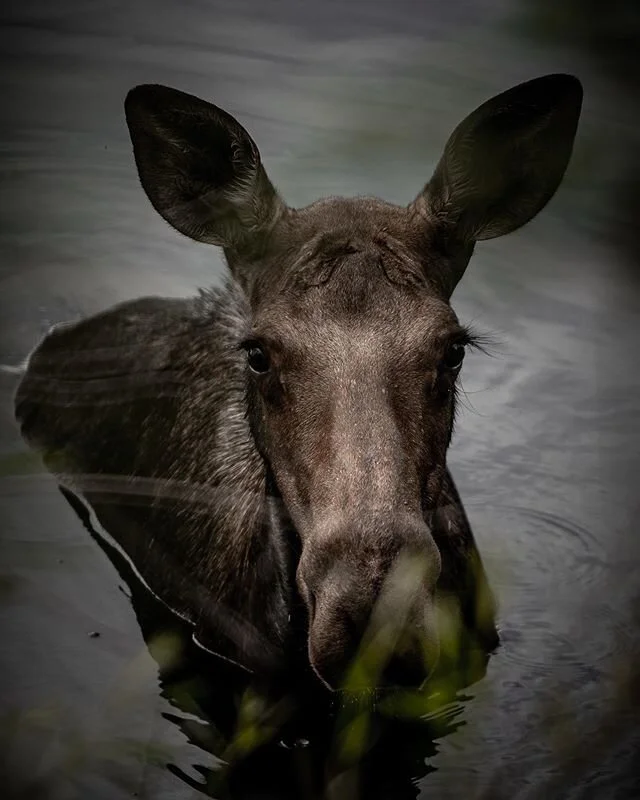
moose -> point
(272, 453)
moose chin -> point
(272, 454)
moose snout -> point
(372, 620)
(345, 654)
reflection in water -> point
(299, 743)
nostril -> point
(333, 645)
(404, 674)
(330, 665)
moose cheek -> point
(272, 393)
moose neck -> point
(238, 539)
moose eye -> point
(453, 357)
(257, 358)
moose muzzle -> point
(370, 595)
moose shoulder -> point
(279, 445)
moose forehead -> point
(353, 260)
(352, 264)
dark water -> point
(341, 99)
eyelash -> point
(475, 340)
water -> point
(355, 100)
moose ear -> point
(199, 167)
(505, 161)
